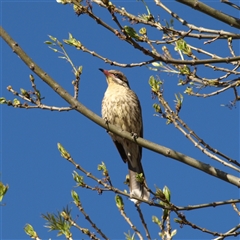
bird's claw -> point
(134, 135)
(106, 122)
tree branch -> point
(101, 122)
(195, 4)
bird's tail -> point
(137, 188)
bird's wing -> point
(121, 151)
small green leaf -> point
(184, 70)
(119, 202)
(52, 38)
(178, 220)
(24, 93)
(75, 197)
(48, 42)
(16, 102)
(180, 82)
(3, 190)
(174, 232)
(140, 177)
(38, 94)
(143, 31)
(131, 32)
(102, 167)
(157, 108)
(80, 69)
(156, 220)
(31, 78)
(78, 179)
(155, 84)
(63, 152)
(178, 101)
(73, 41)
(129, 236)
(167, 193)
(3, 100)
(159, 193)
(188, 90)
(157, 64)
(54, 49)
(29, 230)
(183, 46)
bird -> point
(121, 107)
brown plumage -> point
(121, 107)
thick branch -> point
(98, 120)
(233, 22)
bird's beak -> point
(107, 74)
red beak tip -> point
(104, 71)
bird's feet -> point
(134, 136)
(106, 122)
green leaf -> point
(16, 102)
(157, 64)
(183, 46)
(140, 177)
(188, 90)
(157, 108)
(184, 70)
(31, 78)
(80, 69)
(48, 42)
(38, 94)
(24, 93)
(167, 193)
(63, 152)
(143, 31)
(75, 197)
(3, 100)
(73, 41)
(129, 236)
(159, 193)
(178, 220)
(155, 84)
(54, 49)
(131, 32)
(29, 230)
(3, 190)
(174, 232)
(78, 179)
(156, 220)
(52, 38)
(179, 99)
(119, 202)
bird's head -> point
(115, 77)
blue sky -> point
(41, 181)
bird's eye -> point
(116, 75)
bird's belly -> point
(122, 111)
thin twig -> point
(143, 221)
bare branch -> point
(233, 22)
(101, 122)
